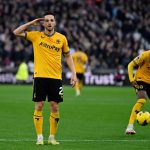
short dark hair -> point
(48, 13)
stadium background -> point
(111, 32)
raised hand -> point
(36, 22)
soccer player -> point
(80, 61)
(141, 82)
(48, 47)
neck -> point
(49, 33)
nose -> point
(49, 23)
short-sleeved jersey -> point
(79, 59)
(143, 71)
(48, 53)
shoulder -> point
(60, 35)
(145, 54)
(33, 33)
(36, 32)
(84, 54)
(142, 57)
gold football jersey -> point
(48, 53)
(143, 71)
(79, 59)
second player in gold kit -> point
(141, 82)
(80, 61)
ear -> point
(55, 24)
(43, 24)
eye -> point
(52, 20)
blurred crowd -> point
(111, 32)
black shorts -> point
(80, 76)
(47, 87)
(145, 87)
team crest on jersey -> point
(58, 41)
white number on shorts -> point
(61, 91)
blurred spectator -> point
(22, 73)
(111, 32)
(119, 76)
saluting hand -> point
(35, 22)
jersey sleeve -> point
(65, 46)
(139, 60)
(31, 35)
(131, 66)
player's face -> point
(49, 22)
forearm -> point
(22, 28)
(131, 66)
(70, 64)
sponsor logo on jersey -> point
(49, 46)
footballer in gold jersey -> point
(48, 47)
(141, 82)
(80, 60)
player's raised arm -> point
(20, 31)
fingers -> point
(37, 21)
(73, 83)
(135, 85)
(73, 80)
(40, 19)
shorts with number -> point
(47, 88)
(144, 87)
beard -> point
(49, 29)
